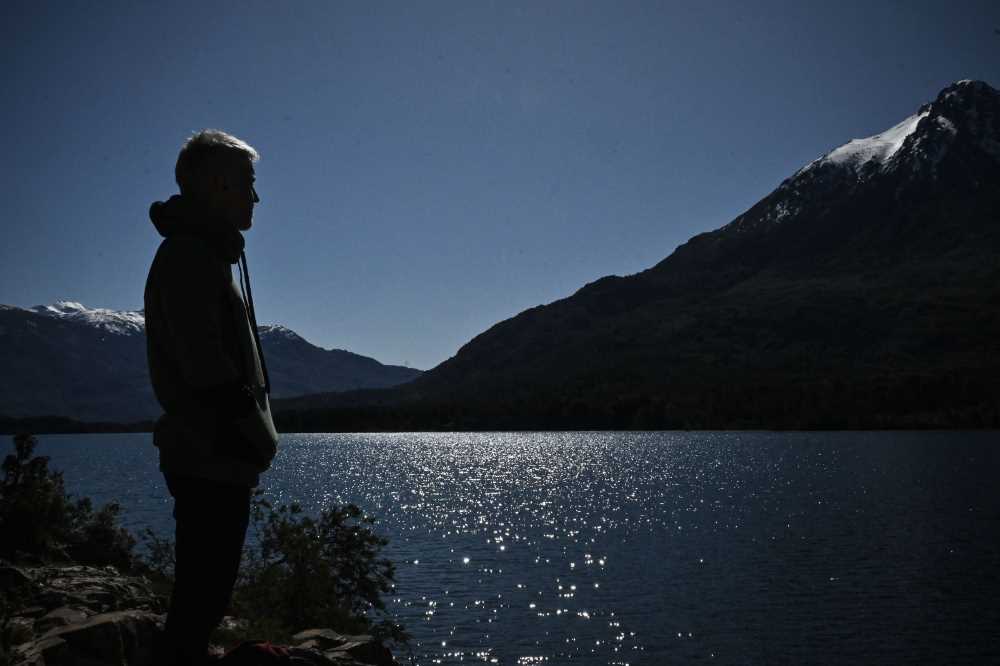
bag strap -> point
(248, 300)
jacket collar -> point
(179, 215)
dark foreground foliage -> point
(323, 571)
(40, 522)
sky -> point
(429, 169)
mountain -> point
(89, 364)
(863, 292)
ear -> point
(219, 182)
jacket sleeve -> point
(192, 295)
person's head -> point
(215, 170)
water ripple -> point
(645, 548)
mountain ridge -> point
(89, 364)
(858, 293)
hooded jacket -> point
(205, 360)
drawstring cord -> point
(248, 300)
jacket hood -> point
(180, 216)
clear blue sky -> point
(432, 168)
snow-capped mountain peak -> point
(954, 109)
(119, 322)
(130, 322)
(879, 147)
(970, 107)
(277, 331)
(965, 85)
(63, 307)
(960, 127)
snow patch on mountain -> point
(278, 331)
(913, 148)
(127, 322)
(878, 147)
(119, 322)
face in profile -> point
(235, 196)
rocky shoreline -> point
(77, 615)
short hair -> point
(208, 152)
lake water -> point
(647, 548)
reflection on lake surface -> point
(647, 548)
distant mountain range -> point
(90, 364)
(863, 292)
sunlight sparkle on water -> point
(555, 496)
(685, 546)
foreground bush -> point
(40, 522)
(300, 572)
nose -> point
(253, 194)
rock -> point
(230, 623)
(344, 648)
(364, 649)
(311, 657)
(12, 577)
(319, 638)
(97, 590)
(119, 638)
(247, 655)
(88, 616)
(317, 658)
(60, 617)
(33, 612)
(33, 654)
(20, 629)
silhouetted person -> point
(207, 368)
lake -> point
(646, 548)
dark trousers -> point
(211, 525)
